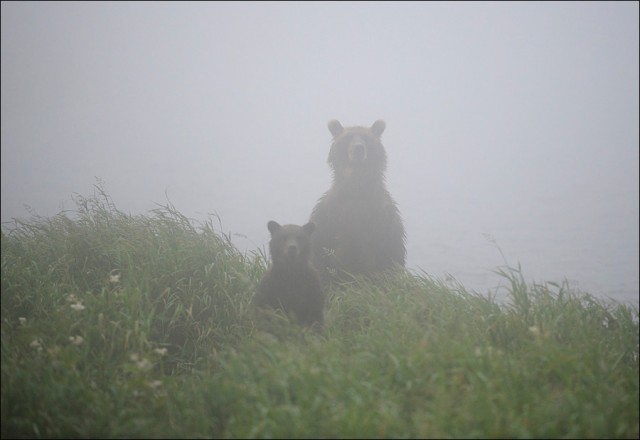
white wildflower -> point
(36, 344)
(77, 306)
(76, 340)
(114, 278)
(141, 363)
(537, 333)
(23, 321)
(161, 351)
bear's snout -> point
(357, 153)
(291, 248)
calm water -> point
(470, 257)
(595, 253)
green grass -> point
(141, 326)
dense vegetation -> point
(141, 326)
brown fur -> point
(358, 226)
(291, 284)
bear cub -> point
(291, 284)
(358, 226)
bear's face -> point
(357, 152)
(290, 244)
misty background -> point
(510, 125)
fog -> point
(511, 127)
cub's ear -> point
(378, 127)
(309, 228)
(335, 127)
(273, 226)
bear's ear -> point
(273, 226)
(335, 127)
(309, 228)
(378, 127)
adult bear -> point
(359, 230)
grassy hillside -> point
(123, 326)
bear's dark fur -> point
(291, 284)
(358, 226)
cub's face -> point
(357, 150)
(290, 244)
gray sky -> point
(517, 120)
